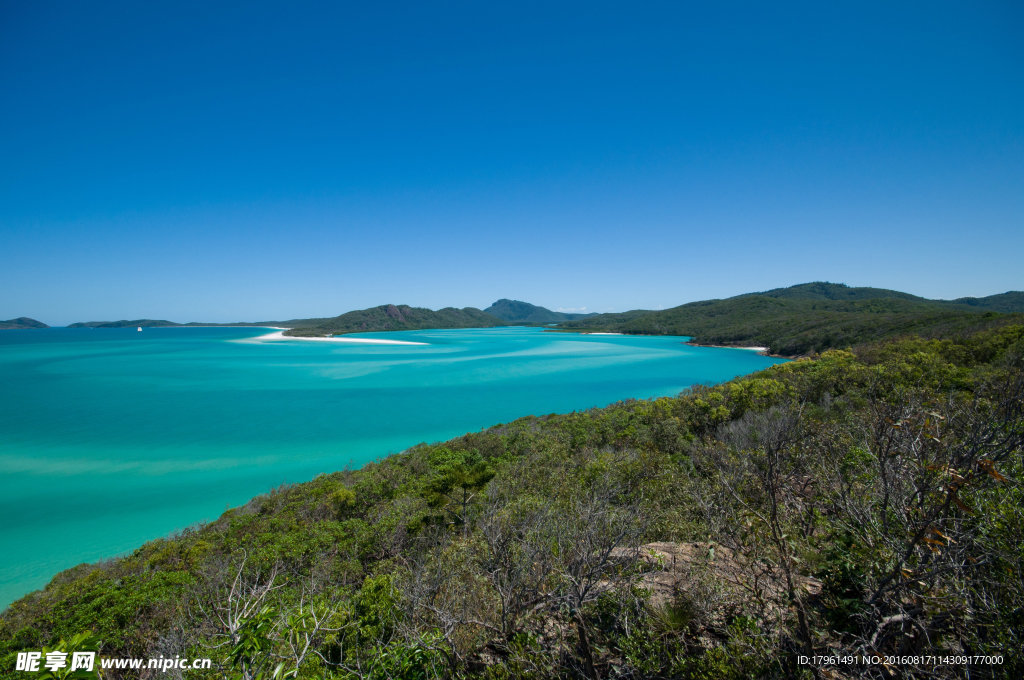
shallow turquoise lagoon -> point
(112, 437)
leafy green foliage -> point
(254, 643)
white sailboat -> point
(139, 329)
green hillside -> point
(823, 290)
(515, 311)
(1009, 302)
(862, 502)
(803, 319)
(398, 318)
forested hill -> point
(398, 318)
(1009, 302)
(21, 322)
(810, 317)
(858, 503)
(516, 311)
(823, 290)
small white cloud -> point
(571, 310)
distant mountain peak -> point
(517, 311)
(395, 313)
(826, 290)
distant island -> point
(163, 323)
(405, 318)
(21, 322)
(124, 323)
(398, 318)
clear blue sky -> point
(225, 161)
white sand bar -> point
(279, 335)
(752, 349)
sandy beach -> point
(279, 335)
(763, 350)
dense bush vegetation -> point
(865, 502)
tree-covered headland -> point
(396, 318)
(813, 317)
(864, 502)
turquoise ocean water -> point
(111, 437)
